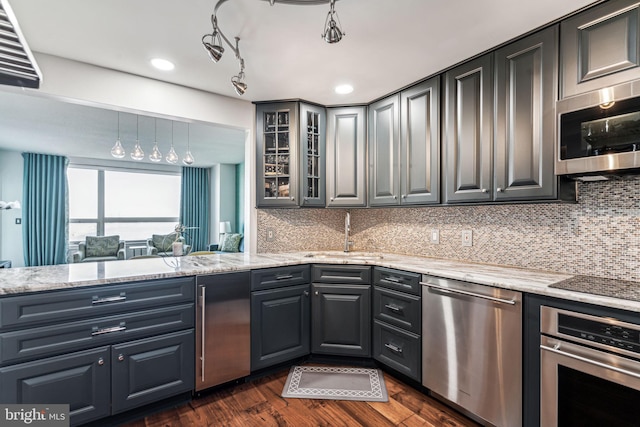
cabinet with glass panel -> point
(290, 161)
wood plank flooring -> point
(259, 403)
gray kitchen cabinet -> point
(313, 138)
(420, 143)
(280, 325)
(346, 157)
(384, 152)
(290, 145)
(341, 310)
(526, 95)
(600, 47)
(79, 379)
(102, 349)
(148, 370)
(469, 131)
(277, 154)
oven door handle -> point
(556, 349)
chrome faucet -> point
(347, 229)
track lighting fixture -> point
(332, 32)
(213, 42)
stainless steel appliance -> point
(590, 372)
(599, 133)
(472, 348)
(223, 329)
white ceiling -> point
(388, 45)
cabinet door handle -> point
(393, 348)
(500, 190)
(393, 308)
(317, 293)
(331, 199)
(109, 330)
(284, 276)
(484, 190)
(306, 293)
(97, 300)
(101, 361)
(121, 357)
(404, 196)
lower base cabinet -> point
(107, 380)
(397, 349)
(341, 319)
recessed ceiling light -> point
(344, 89)
(162, 64)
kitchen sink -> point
(345, 256)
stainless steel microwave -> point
(599, 133)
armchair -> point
(100, 248)
(161, 244)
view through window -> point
(131, 204)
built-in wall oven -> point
(590, 370)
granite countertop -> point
(35, 279)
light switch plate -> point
(435, 236)
(467, 238)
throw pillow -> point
(163, 242)
(98, 246)
(231, 243)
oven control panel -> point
(603, 331)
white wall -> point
(11, 168)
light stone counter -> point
(34, 279)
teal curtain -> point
(194, 207)
(44, 203)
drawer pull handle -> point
(108, 330)
(119, 298)
(393, 279)
(394, 348)
(393, 308)
(284, 277)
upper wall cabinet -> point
(601, 47)
(468, 124)
(346, 157)
(290, 155)
(420, 143)
(384, 151)
(526, 94)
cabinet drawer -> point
(151, 369)
(343, 274)
(269, 278)
(65, 337)
(397, 349)
(395, 279)
(80, 380)
(397, 308)
(93, 301)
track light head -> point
(332, 32)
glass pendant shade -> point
(137, 153)
(172, 157)
(118, 150)
(155, 155)
(188, 159)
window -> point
(132, 204)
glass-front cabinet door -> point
(277, 143)
(312, 161)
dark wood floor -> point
(258, 403)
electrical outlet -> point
(271, 235)
(435, 236)
(467, 238)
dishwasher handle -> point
(467, 293)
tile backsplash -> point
(598, 236)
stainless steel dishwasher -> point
(223, 329)
(472, 348)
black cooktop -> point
(623, 289)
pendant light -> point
(137, 153)
(155, 155)
(118, 150)
(172, 157)
(188, 158)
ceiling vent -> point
(17, 65)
